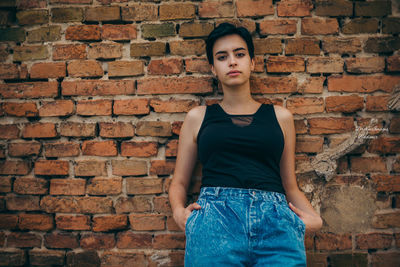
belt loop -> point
(217, 189)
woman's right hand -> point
(181, 215)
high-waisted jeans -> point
(243, 227)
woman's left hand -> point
(313, 222)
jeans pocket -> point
(301, 224)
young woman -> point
(250, 211)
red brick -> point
(85, 258)
(20, 109)
(15, 167)
(28, 4)
(309, 144)
(133, 204)
(118, 32)
(69, 51)
(139, 149)
(397, 239)
(76, 129)
(294, 8)
(176, 11)
(116, 258)
(27, 203)
(108, 13)
(13, 258)
(273, 85)
(267, 46)
(116, 129)
(99, 148)
(319, 26)
(140, 12)
(24, 149)
(147, 222)
(5, 185)
(84, 68)
(12, 71)
(62, 149)
(105, 50)
(61, 240)
(169, 241)
(128, 167)
(90, 168)
(302, 46)
(131, 107)
(387, 183)
(394, 126)
(24, 240)
(278, 26)
(104, 186)
(36, 222)
(386, 259)
(83, 32)
(97, 241)
(324, 65)
(31, 186)
(165, 66)
(51, 167)
(367, 165)
(129, 239)
(45, 70)
(344, 104)
(100, 87)
(329, 125)
(197, 65)
(67, 186)
(218, 9)
(300, 127)
(29, 90)
(9, 131)
(365, 65)
(125, 68)
(362, 84)
(162, 167)
(40, 258)
(173, 105)
(147, 49)
(330, 241)
(285, 64)
(187, 47)
(305, 105)
(334, 8)
(393, 63)
(143, 186)
(396, 165)
(162, 205)
(39, 130)
(389, 219)
(153, 128)
(385, 145)
(341, 45)
(195, 29)
(73, 222)
(252, 8)
(94, 107)
(56, 108)
(93, 205)
(377, 103)
(8, 221)
(109, 223)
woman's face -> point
(232, 62)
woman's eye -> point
(240, 54)
(221, 57)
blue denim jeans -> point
(243, 227)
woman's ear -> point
(213, 70)
(253, 63)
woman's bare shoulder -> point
(197, 113)
(283, 114)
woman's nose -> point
(232, 61)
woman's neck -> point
(238, 99)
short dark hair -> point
(225, 29)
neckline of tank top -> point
(253, 114)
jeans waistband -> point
(223, 192)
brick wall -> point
(93, 94)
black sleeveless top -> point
(241, 151)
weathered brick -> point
(273, 85)
(61, 240)
(109, 223)
(129, 239)
(90, 168)
(9, 131)
(319, 26)
(393, 63)
(252, 8)
(29, 90)
(85, 68)
(172, 105)
(31, 186)
(44, 34)
(334, 8)
(8, 221)
(133, 204)
(344, 104)
(131, 107)
(386, 183)
(36, 222)
(187, 47)
(77, 129)
(390, 25)
(12, 34)
(99, 87)
(13, 167)
(23, 240)
(153, 128)
(175, 11)
(302, 46)
(394, 126)
(70, 14)
(324, 65)
(311, 85)
(143, 186)
(188, 85)
(162, 167)
(169, 241)
(157, 30)
(31, 52)
(294, 8)
(27, 203)
(105, 50)
(329, 125)
(48, 70)
(385, 145)
(69, 51)
(377, 103)
(267, 46)
(217, 9)
(125, 68)
(39, 130)
(365, 65)
(330, 241)
(28, 4)
(29, 17)
(97, 241)
(368, 164)
(73, 222)
(197, 65)
(165, 66)
(99, 148)
(139, 12)
(94, 107)
(88, 258)
(285, 64)
(147, 222)
(309, 144)
(61, 149)
(71, 1)
(362, 84)
(373, 8)
(13, 71)
(67, 187)
(139, 149)
(148, 49)
(13, 258)
(27, 109)
(117, 258)
(83, 32)
(24, 149)
(281, 26)
(104, 186)
(51, 167)
(382, 44)
(49, 257)
(109, 13)
(389, 219)
(387, 259)
(116, 129)
(93, 205)
(118, 32)
(360, 25)
(162, 205)
(354, 259)
(128, 167)
(171, 149)
(56, 108)
(5, 185)
(7, 17)
(341, 45)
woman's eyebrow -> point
(234, 50)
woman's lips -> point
(234, 73)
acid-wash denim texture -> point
(243, 227)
